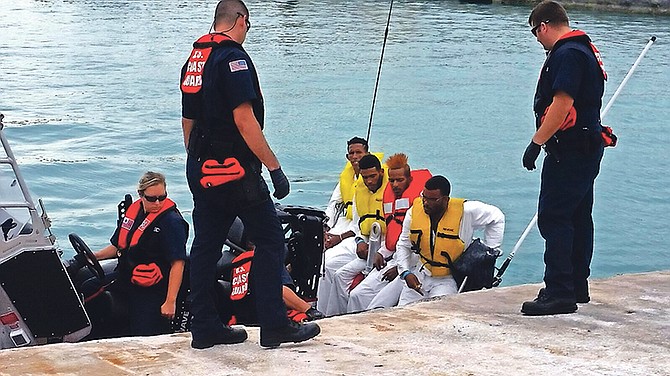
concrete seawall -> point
(658, 7)
(625, 330)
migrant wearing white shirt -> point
(338, 222)
(476, 216)
(335, 258)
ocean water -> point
(89, 90)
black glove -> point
(280, 182)
(530, 155)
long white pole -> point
(602, 115)
(625, 79)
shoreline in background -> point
(654, 7)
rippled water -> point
(90, 94)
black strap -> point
(430, 262)
(446, 236)
(377, 215)
(416, 246)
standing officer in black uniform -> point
(567, 106)
(222, 120)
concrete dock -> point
(625, 330)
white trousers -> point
(334, 258)
(339, 291)
(432, 287)
(363, 294)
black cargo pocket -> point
(253, 188)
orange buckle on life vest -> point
(609, 138)
(216, 173)
(146, 275)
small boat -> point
(47, 299)
(38, 301)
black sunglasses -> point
(155, 198)
(246, 20)
(534, 29)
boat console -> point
(38, 302)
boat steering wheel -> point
(82, 248)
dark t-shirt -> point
(573, 69)
(229, 79)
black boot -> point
(227, 336)
(545, 304)
(293, 332)
(582, 292)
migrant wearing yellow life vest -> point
(370, 206)
(446, 237)
(395, 209)
(348, 185)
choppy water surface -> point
(90, 94)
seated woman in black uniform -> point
(150, 243)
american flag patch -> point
(127, 223)
(238, 65)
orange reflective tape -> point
(216, 173)
(146, 275)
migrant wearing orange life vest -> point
(395, 209)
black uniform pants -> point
(564, 217)
(214, 211)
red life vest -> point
(128, 240)
(192, 81)
(571, 117)
(579, 33)
(395, 209)
(239, 286)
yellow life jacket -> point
(348, 183)
(348, 187)
(446, 237)
(370, 206)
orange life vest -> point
(395, 209)
(192, 81)
(239, 286)
(126, 238)
(599, 59)
(571, 118)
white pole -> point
(625, 79)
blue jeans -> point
(565, 221)
(214, 210)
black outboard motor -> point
(303, 228)
(305, 246)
